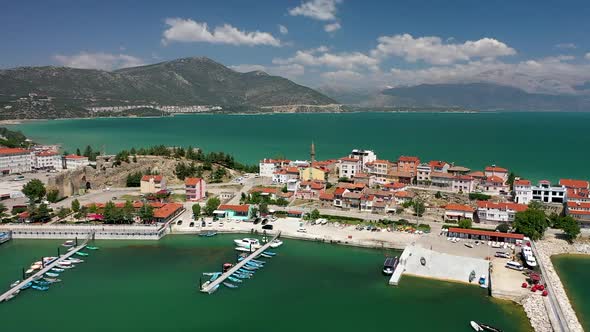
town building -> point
(235, 212)
(365, 156)
(463, 184)
(269, 192)
(73, 161)
(151, 184)
(195, 189)
(458, 170)
(439, 166)
(379, 169)
(167, 212)
(48, 160)
(579, 211)
(408, 164)
(312, 173)
(423, 174)
(399, 176)
(481, 235)
(547, 193)
(494, 185)
(456, 212)
(496, 171)
(441, 180)
(15, 160)
(267, 167)
(348, 167)
(285, 174)
(489, 212)
(523, 191)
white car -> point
(302, 230)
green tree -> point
(34, 190)
(263, 208)
(41, 213)
(510, 180)
(146, 213)
(465, 223)
(254, 212)
(535, 205)
(134, 179)
(109, 214)
(75, 205)
(212, 205)
(570, 227)
(63, 212)
(284, 189)
(419, 208)
(314, 214)
(127, 212)
(438, 195)
(78, 153)
(53, 195)
(503, 227)
(531, 222)
(3, 210)
(196, 210)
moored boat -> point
(57, 270)
(92, 248)
(388, 266)
(25, 286)
(208, 234)
(475, 326)
(69, 243)
(276, 243)
(52, 280)
(229, 285)
(248, 243)
(41, 283)
(39, 287)
(81, 253)
(234, 279)
(52, 275)
(489, 328)
(270, 253)
(14, 284)
(265, 255)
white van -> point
(514, 265)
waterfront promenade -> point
(102, 232)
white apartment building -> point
(524, 192)
(48, 160)
(498, 212)
(423, 174)
(348, 167)
(365, 156)
(74, 161)
(494, 170)
(463, 183)
(15, 160)
(269, 166)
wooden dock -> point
(47, 268)
(211, 287)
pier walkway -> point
(47, 268)
(213, 285)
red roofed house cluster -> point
(152, 184)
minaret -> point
(312, 152)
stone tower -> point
(312, 152)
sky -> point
(539, 46)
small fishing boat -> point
(74, 260)
(270, 253)
(472, 276)
(388, 266)
(253, 265)
(64, 267)
(246, 271)
(92, 248)
(469, 245)
(30, 271)
(52, 280)
(208, 234)
(210, 274)
(69, 243)
(248, 243)
(39, 287)
(14, 284)
(475, 326)
(215, 276)
(229, 285)
(234, 279)
(489, 328)
(265, 255)
(52, 275)
(58, 270)
(212, 290)
(276, 243)
(81, 253)
(27, 285)
(41, 283)
(240, 276)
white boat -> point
(531, 261)
(243, 249)
(248, 243)
(475, 326)
(69, 243)
(14, 284)
(276, 243)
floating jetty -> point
(212, 286)
(47, 268)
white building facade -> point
(15, 160)
(348, 167)
(74, 161)
(365, 156)
(48, 160)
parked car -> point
(264, 221)
(192, 224)
(256, 221)
(302, 230)
(268, 227)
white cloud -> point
(289, 71)
(332, 27)
(322, 10)
(187, 30)
(566, 46)
(342, 75)
(318, 57)
(587, 56)
(433, 50)
(283, 29)
(104, 61)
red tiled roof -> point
(13, 151)
(167, 210)
(266, 190)
(339, 191)
(441, 175)
(579, 205)
(192, 181)
(464, 177)
(577, 193)
(274, 161)
(403, 194)
(409, 159)
(46, 153)
(522, 183)
(295, 213)
(74, 156)
(156, 178)
(486, 233)
(349, 159)
(324, 196)
(395, 185)
(459, 207)
(477, 174)
(501, 206)
(361, 175)
(576, 184)
(237, 208)
(494, 179)
(437, 163)
(496, 169)
(578, 212)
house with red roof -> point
(523, 191)
(496, 171)
(463, 184)
(48, 159)
(490, 212)
(349, 166)
(439, 166)
(402, 197)
(73, 161)
(494, 185)
(151, 184)
(236, 212)
(16, 160)
(394, 186)
(408, 164)
(283, 175)
(195, 189)
(442, 180)
(579, 211)
(456, 212)
(267, 167)
(574, 184)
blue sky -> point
(539, 46)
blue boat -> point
(241, 276)
(58, 270)
(234, 279)
(81, 253)
(27, 285)
(245, 272)
(265, 255)
(41, 283)
(252, 264)
(215, 276)
(252, 260)
(249, 268)
(52, 275)
(41, 288)
(208, 234)
(92, 248)
(228, 285)
(270, 253)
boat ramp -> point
(46, 268)
(211, 287)
(438, 266)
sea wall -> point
(106, 232)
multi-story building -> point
(442, 180)
(463, 183)
(523, 191)
(494, 185)
(74, 161)
(496, 171)
(15, 160)
(498, 212)
(151, 184)
(547, 193)
(379, 169)
(267, 167)
(195, 189)
(312, 173)
(349, 166)
(365, 156)
(579, 211)
(423, 174)
(48, 160)
(408, 164)
(439, 166)
(285, 174)
(457, 212)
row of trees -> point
(533, 223)
(258, 198)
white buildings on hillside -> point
(348, 167)
(544, 192)
(498, 212)
(74, 161)
(269, 166)
(523, 191)
(365, 156)
(16, 160)
(48, 160)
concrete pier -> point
(210, 288)
(47, 268)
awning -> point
(219, 212)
